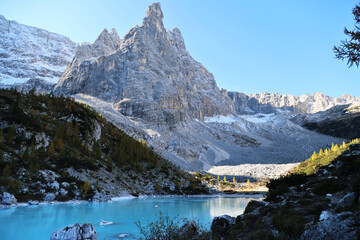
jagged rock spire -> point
(153, 22)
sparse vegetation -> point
(323, 158)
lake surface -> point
(38, 222)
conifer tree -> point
(224, 178)
(1, 135)
(234, 180)
(314, 156)
(349, 49)
(60, 145)
(321, 153)
(248, 183)
(326, 152)
(86, 187)
(51, 149)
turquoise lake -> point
(38, 222)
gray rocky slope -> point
(148, 84)
(28, 52)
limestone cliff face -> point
(28, 52)
(149, 76)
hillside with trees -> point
(57, 149)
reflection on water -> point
(38, 222)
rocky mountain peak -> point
(176, 39)
(153, 22)
(150, 77)
(154, 14)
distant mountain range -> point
(148, 84)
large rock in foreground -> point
(76, 231)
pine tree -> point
(11, 134)
(6, 173)
(60, 145)
(326, 152)
(51, 149)
(349, 49)
(314, 156)
(343, 145)
(218, 178)
(234, 180)
(224, 179)
(248, 183)
(86, 187)
(336, 148)
(321, 153)
(1, 135)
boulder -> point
(345, 226)
(220, 226)
(8, 199)
(65, 184)
(347, 201)
(63, 192)
(76, 231)
(54, 185)
(49, 197)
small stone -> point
(123, 235)
(33, 202)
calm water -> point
(38, 222)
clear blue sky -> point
(282, 46)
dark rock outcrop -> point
(220, 226)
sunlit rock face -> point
(269, 102)
(148, 75)
(29, 52)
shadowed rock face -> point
(150, 76)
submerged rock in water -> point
(76, 231)
(8, 199)
(103, 223)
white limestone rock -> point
(76, 231)
(8, 199)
